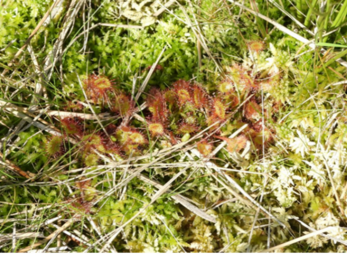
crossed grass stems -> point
(32, 116)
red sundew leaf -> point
(258, 126)
(127, 135)
(238, 76)
(204, 148)
(252, 110)
(183, 91)
(122, 104)
(156, 129)
(200, 97)
(131, 149)
(112, 147)
(170, 97)
(137, 138)
(172, 138)
(185, 128)
(226, 86)
(109, 145)
(157, 106)
(55, 146)
(260, 134)
(80, 205)
(98, 88)
(94, 141)
(249, 83)
(73, 125)
(234, 76)
(219, 109)
(256, 46)
(234, 100)
(228, 93)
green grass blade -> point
(308, 16)
(341, 15)
(328, 9)
(299, 6)
(323, 44)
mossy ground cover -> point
(173, 126)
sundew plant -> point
(173, 126)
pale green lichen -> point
(144, 12)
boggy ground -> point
(173, 126)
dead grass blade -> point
(296, 240)
(54, 234)
(149, 75)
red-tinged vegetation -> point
(157, 68)
(226, 86)
(183, 91)
(157, 106)
(132, 141)
(113, 148)
(109, 145)
(90, 159)
(204, 148)
(241, 78)
(228, 93)
(83, 184)
(137, 138)
(156, 129)
(256, 46)
(233, 77)
(94, 141)
(185, 128)
(98, 88)
(172, 138)
(55, 146)
(200, 98)
(276, 107)
(127, 135)
(232, 100)
(219, 109)
(252, 111)
(182, 109)
(73, 126)
(260, 135)
(170, 97)
(80, 205)
(122, 104)
(111, 129)
(213, 123)
(235, 144)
